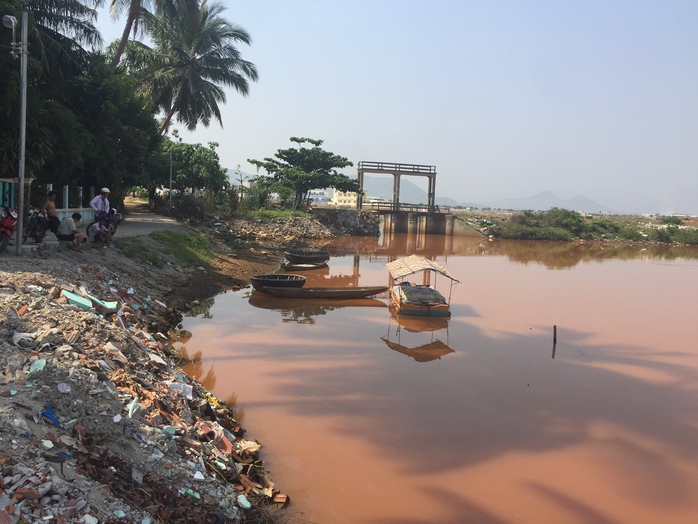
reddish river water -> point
(367, 420)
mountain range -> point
(680, 202)
(684, 201)
(382, 187)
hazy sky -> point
(505, 98)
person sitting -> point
(49, 211)
(68, 231)
(99, 232)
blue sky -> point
(505, 98)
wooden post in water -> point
(554, 339)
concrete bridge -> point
(400, 217)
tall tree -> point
(304, 169)
(136, 10)
(58, 32)
(62, 30)
(193, 58)
(196, 166)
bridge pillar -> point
(400, 223)
(450, 220)
(436, 224)
(412, 223)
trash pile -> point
(279, 229)
(345, 222)
(97, 424)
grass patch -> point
(135, 249)
(190, 249)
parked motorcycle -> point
(113, 220)
(8, 224)
(36, 227)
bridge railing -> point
(400, 207)
(391, 167)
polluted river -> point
(561, 389)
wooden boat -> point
(326, 292)
(298, 256)
(413, 299)
(303, 267)
(259, 282)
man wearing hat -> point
(100, 203)
(49, 211)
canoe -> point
(260, 282)
(326, 292)
(303, 267)
(298, 256)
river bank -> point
(97, 424)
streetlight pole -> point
(11, 21)
(19, 234)
(170, 195)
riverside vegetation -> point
(565, 225)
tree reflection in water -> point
(193, 366)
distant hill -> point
(383, 187)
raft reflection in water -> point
(434, 349)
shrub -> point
(672, 220)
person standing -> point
(68, 231)
(100, 203)
(49, 211)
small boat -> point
(414, 299)
(259, 282)
(326, 292)
(298, 256)
(303, 267)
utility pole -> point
(21, 49)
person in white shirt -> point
(67, 230)
(100, 203)
(99, 232)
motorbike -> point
(113, 220)
(8, 224)
(36, 227)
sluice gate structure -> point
(401, 217)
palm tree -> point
(136, 11)
(193, 58)
(62, 28)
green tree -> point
(303, 169)
(58, 30)
(193, 58)
(196, 166)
